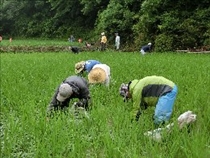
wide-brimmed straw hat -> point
(97, 75)
(64, 92)
(79, 66)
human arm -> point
(84, 98)
(136, 93)
(80, 88)
(136, 111)
(53, 103)
(84, 102)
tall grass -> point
(28, 82)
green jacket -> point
(145, 92)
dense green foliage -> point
(28, 82)
(186, 23)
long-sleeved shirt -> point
(103, 39)
(89, 65)
(146, 48)
(80, 90)
(145, 92)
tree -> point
(117, 17)
(184, 21)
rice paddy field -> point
(29, 80)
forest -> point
(169, 25)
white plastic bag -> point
(186, 118)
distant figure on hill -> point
(150, 91)
(74, 49)
(71, 87)
(71, 38)
(103, 41)
(146, 48)
(117, 41)
(85, 66)
(0, 38)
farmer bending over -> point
(100, 73)
(146, 48)
(85, 66)
(71, 87)
(151, 91)
(74, 49)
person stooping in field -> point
(85, 66)
(74, 49)
(71, 87)
(146, 48)
(100, 73)
(151, 91)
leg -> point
(164, 107)
(102, 46)
(117, 46)
(142, 52)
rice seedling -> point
(28, 82)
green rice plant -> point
(28, 82)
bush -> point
(207, 38)
(163, 43)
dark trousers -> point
(103, 46)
